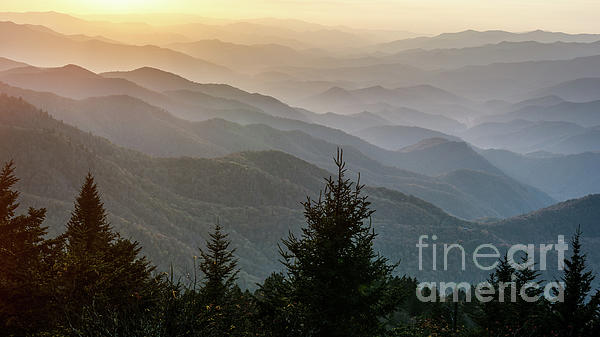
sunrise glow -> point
(427, 16)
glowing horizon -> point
(425, 16)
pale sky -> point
(423, 16)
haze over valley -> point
(475, 135)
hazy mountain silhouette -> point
(38, 45)
(6, 64)
(579, 90)
(472, 38)
(587, 141)
(584, 114)
(480, 184)
(391, 104)
(528, 136)
(222, 137)
(252, 58)
(387, 75)
(493, 81)
(501, 80)
(349, 123)
(435, 156)
(395, 137)
(160, 80)
(561, 176)
(560, 218)
(289, 32)
(78, 83)
(149, 197)
(248, 32)
(124, 32)
(503, 52)
(548, 100)
(75, 82)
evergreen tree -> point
(513, 316)
(107, 287)
(530, 315)
(27, 263)
(8, 197)
(223, 304)
(497, 316)
(88, 230)
(88, 239)
(577, 315)
(219, 266)
(335, 276)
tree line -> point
(90, 281)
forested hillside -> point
(91, 280)
(169, 203)
(158, 133)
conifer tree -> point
(106, 284)
(221, 312)
(88, 229)
(507, 315)
(530, 315)
(335, 275)
(498, 314)
(219, 266)
(88, 240)
(27, 261)
(577, 315)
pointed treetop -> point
(578, 279)
(334, 259)
(88, 224)
(219, 265)
(8, 197)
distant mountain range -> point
(561, 176)
(473, 38)
(196, 101)
(395, 137)
(498, 80)
(78, 82)
(526, 136)
(399, 106)
(162, 81)
(250, 58)
(479, 82)
(75, 82)
(578, 90)
(473, 136)
(6, 64)
(156, 132)
(435, 156)
(502, 52)
(351, 123)
(286, 32)
(475, 65)
(583, 114)
(42, 46)
(168, 204)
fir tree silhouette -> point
(335, 275)
(27, 265)
(219, 266)
(577, 315)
